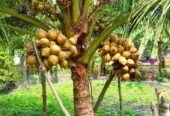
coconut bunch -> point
(30, 54)
(45, 8)
(123, 55)
(100, 25)
(55, 48)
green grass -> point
(28, 102)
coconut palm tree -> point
(79, 17)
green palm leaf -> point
(25, 18)
(14, 28)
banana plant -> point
(78, 17)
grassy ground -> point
(27, 102)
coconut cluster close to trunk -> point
(55, 48)
(123, 55)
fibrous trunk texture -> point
(162, 62)
(82, 98)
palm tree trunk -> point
(162, 61)
(82, 98)
(44, 96)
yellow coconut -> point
(135, 56)
(31, 60)
(132, 71)
(129, 45)
(120, 49)
(52, 34)
(138, 74)
(122, 60)
(125, 69)
(73, 40)
(125, 77)
(116, 56)
(52, 43)
(68, 54)
(121, 41)
(55, 49)
(101, 52)
(64, 63)
(45, 52)
(113, 50)
(106, 48)
(130, 62)
(41, 34)
(53, 59)
(66, 45)
(63, 55)
(107, 57)
(47, 64)
(44, 42)
(61, 38)
(113, 37)
(133, 50)
(37, 43)
(113, 44)
(126, 54)
(106, 42)
(73, 50)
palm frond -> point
(17, 29)
(25, 18)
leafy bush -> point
(8, 72)
(163, 78)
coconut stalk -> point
(47, 77)
(102, 93)
(120, 97)
(44, 95)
